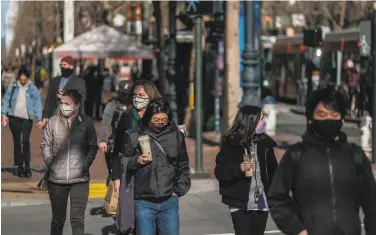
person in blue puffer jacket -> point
(21, 104)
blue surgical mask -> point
(261, 128)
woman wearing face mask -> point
(69, 147)
(20, 104)
(160, 179)
(143, 91)
(245, 166)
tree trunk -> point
(232, 62)
(162, 82)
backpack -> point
(11, 94)
(38, 78)
(118, 113)
(298, 150)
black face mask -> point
(328, 129)
(66, 72)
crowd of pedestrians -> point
(318, 188)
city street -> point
(200, 214)
(201, 211)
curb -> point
(203, 186)
(198, 186)
(22, 202)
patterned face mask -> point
(140, 103)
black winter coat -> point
(128, 120)
(233, 185)
(326, 190)
(52, 102)
(163, 176)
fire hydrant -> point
(366, 135)
(270, 112)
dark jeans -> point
(164, 215)
(21, 129)
(59, 194)
(249, 222)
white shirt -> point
(20, 110)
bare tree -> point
(336, 14)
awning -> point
(104, 42)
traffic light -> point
(196, 7)
(312, 37)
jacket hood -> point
(320, 142)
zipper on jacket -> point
(266, 167)
(68, 158)
(332, 186)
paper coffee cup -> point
(145, 145)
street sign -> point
(365, 38)
(196, 7)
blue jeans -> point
(150, 215)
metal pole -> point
(198, 93)
(145, 21)
(218, 92)
(218, 18)
(171, 60)
(251, 84)
(373, 47)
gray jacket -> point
(69, 154)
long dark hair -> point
(23, 71)
(242, 131)
(156, 106)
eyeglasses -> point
(159, 121)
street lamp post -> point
(251, 84)
(373, 48)
(171, 59)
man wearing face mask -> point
(330, 178)
(111, 117)
(67, 80)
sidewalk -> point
(200, 214)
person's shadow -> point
(109, 229)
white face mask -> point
(68, 110)
(140, 103)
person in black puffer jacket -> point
(244, 183)
(159, 180)
(69, 147)
(329, 178)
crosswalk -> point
(266, 232)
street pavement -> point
(290, 127)
(201, 211)
(200, 214)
